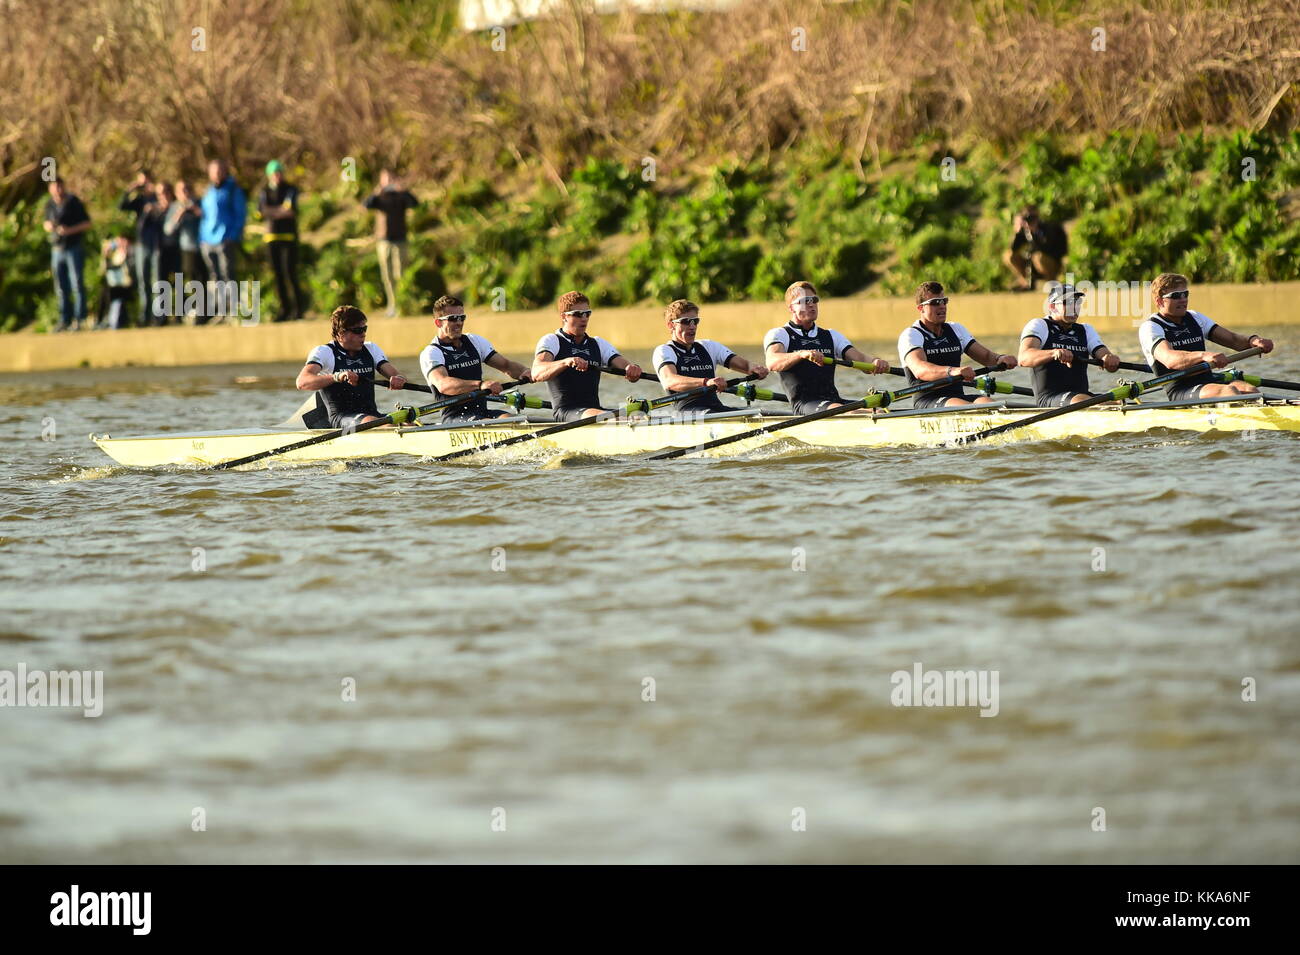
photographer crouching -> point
(1037, 250)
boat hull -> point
(615, 438)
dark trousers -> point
(221, 263)
(146, 273)
(68, 266)
(284, 263)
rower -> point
(569, 361)
(798, 350)
(932, 349)
(687, 362)
(1057, 348)
(453, 364)
(342, 373)
(1175, 336)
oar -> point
(611, 370)
(1236, 374)
(641, 405)
(751, 393)
(1124, 365)
(880, 400)
(991, 386)
(1118, 393)
(514, 399)
(986, 385)
(396, 417)
(748, 392)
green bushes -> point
(1220, 209)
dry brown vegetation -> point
(105, 85)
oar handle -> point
(865, 366)
(1125, 365)
(514, 400)
(406, 386)
(611, 370)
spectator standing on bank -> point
(115, 292)
(390, 200)
(1038, 246)
(225, 210)
(277, 203)
(141, 197)
(183, 222)
(66, 221)
(169, 247)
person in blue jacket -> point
(221, 228)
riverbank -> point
(997, 317)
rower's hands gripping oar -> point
(622, 373)
(866, 367)
(395, 417)
(514, 399)
(746, 391)
(1118, 393)
(988, 386)
(643, 405)
(879, 400)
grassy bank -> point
(1135, 206)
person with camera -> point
(1038, 249)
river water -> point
(685, 661)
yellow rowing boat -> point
(648, 435)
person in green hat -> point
(278, 205)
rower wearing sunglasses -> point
(1175, 337)
(569, 361)
(797, 352)
(453, 364)
(932, 350)
(342, 373)
(1056, 349)
(687, 362)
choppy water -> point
(520, 689)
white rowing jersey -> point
(462, 359)
(700, 360)
(340, 401)
(1052, 379)
(1191, 334)
(323, 355)
(572, 389)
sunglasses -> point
(1178, 295)
(580, 313)
(356, 331)
(452, 318)
(935, 301)
(807, 300)
(686, 321)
